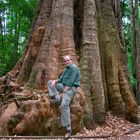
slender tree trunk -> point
(1, 31)
(2, 24)
(16, 42)
(137, 32)
(133, 37)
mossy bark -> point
(120, 96)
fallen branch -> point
(132, 130)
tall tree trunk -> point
(2, 26)
(91, 76)
(137, 51)
(120, 97)
(16, 41)
(1, 32)
(86, 30)
(133, 37)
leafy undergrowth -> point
(114, 128)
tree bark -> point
(110, 49)
(91, 76)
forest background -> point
(16, 17)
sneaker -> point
(55, 102)
(52, 97)
(68, 134)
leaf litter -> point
(115, 128)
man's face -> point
(67, 60)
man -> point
(68, 83)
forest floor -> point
(115, 128)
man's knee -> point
(59, 87)
(64, 105)
(49, 82)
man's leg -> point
(54, 91)
(65, 109)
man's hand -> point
(61, 95)
(66, 88)
(53, 83)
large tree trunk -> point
(120, 95)
(86, 30)
(91, 76)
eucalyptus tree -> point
(86, 30)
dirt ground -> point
(115, 128)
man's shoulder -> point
(74, 66)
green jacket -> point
(70, 76)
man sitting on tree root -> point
(68, 83)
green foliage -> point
(132, 78)
(125, 10)
(15, 21)
(126, 23)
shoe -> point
(52, 97)
(55, 102)
(68, 134)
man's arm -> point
(66, 88)
(53, 83)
